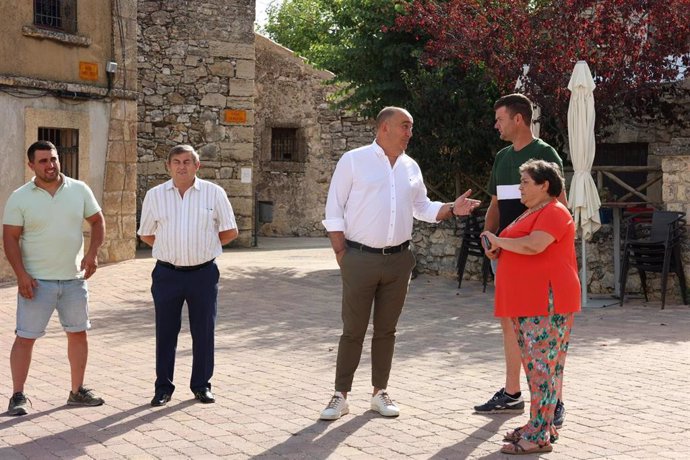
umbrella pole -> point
(583, 278)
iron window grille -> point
(67, 142)
(284, 145)
(56, 14)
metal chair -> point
(655, 247)
(472, 227)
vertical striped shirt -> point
(186, 228)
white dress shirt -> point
(374, 203)
(186, 228)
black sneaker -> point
(501, 403)
(559, 414)
(84, 397)
(18, 403)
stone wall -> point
(292, 94)
(120, 169)
(120, 183)
(676, 191)
(196, 76)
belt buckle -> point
(383, 251)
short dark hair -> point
(541, 171)
(387, 113)
(516, 103)
(40, 145)
(180, 149)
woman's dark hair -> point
(541, 171)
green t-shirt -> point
(52, 239)
(505, 176)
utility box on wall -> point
(265, 212)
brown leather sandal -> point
(515, 435)
(515, 448)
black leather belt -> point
(182, 268)
(388, 250)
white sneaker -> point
(336, 408)
(384, 405)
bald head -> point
(393, 130)
(389, 112)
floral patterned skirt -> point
(543, 344)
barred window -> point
(67, 142)
(284, 145)
(56, 14)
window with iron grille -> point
(56, 14)
(67, 142)
(284, 145)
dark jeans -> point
(370, 280)
(170, 289)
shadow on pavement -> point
(292, 309)
(464, 448)
(96, 432)
(311, 443)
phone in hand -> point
(486, 243)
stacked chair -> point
(471, 227)
(654, 246)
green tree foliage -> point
(352, 39)
(455, 120)
(633, 48)
(376, 65)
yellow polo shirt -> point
(52, 242)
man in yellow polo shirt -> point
(42, 234)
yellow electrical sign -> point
(236, 116)
(88, 71)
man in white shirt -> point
(187, 221)
(375, 193)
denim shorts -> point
(70, 297)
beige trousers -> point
(370, 280)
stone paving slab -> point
(627, 374)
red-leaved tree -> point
(634, 48)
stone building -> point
(257, 114)
(196, 76)
(68, 75)
(298, 140)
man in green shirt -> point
(42, 235)
(513, 122)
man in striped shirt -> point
(187, 221)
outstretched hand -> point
(464, 205)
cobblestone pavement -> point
(627, 375)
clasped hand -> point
(492, 251)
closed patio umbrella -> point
(583, 198)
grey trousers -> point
(370, 280)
